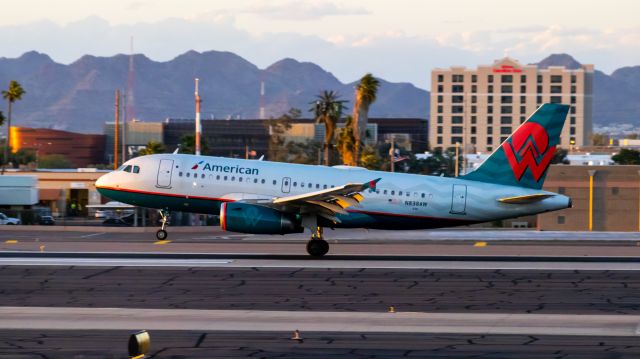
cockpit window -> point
(136, 169)
(127, 168)
(121, 168)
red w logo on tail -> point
(529, 148)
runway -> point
(239, 298)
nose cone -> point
(103, 183)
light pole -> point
(591, 174)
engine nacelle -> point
(255, 219)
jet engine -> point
(256, 219)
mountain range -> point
(80, 96)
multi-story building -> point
(480, 108)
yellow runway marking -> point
(11, 241)
(162, 242)
(480, 244)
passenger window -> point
(393, 193)
(202, 176)
(218, 177)
(408, 194)
(239, 179)
(310, 185)
(324, 186)
(233, 178)
(295, 184)
(225, 178)
(274, 182)
(136, 169)
(180, 174)
(399, 193)
(188, 174)
(423, 195)
(317, 185)
(255, 180)
(263, 181)
(195, 175)
(301, 184)
(385, 191)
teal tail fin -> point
(523, 159)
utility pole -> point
(392, 153)
(115, 131)
(198, 126)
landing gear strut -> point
(317, 246)
(161, 234)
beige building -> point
(479, 108)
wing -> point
(326, 203)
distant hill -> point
(616, 97)
(80, 96)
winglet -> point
(371, 184)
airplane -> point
(262, 197)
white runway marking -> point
(315, 263)
(92, 235)
(287, 321)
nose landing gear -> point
(162, 234)
(317, 246)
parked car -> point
(8, 220)
(47, 221)
(102, 213)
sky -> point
(400, 40)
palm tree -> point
(328, 109)
(152, 148)
(346, 143)
(366, 92)
(13, 94)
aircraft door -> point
(286, 184)
(164, 173)
(459, 199)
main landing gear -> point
(317, 246)
(161, 234)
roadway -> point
(225, 305)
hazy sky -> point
(398, 40)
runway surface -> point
(64, 344)
(452, 297)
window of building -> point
(439, 108)
(456, 119)
(573, 78)
(523, 78)
(539, 79)
(523, 88)
(506, 99)
(474, 99)
(523, 109)
(439, 119)
(573, 89)
(506, 109)
(457, 88)
(440, 88)
(456, 129)
(490, 130)
(473, 140)
(555, 79)
(489, 99)
(474, 78)
(556, 89)
(523, 99)
(440, 78)
(522, 119)
(474, 119)
(489, 120)
(505, 130)
(457, 109)
(456, 139)
(572, 140)
(539, 89)
(505, 120)
(440, 99)
(474, 88)
(573, 99)
(556, 99)
(506, 78)
(457, 78)
(474, 109)
(572, 130)
(502, 139)
(457, 99)
(490, 89)
(490, 79)
(473, 130)
(489, 140)
(539, 99)
(560, 219)
(573, 120)
(573, 110)
(489, 148)
(439, 140)
(439, 130)
(615, 190)
(489, 109)
(561, 190)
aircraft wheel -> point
(317, 247)
(161, 234)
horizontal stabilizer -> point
(530, 198)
